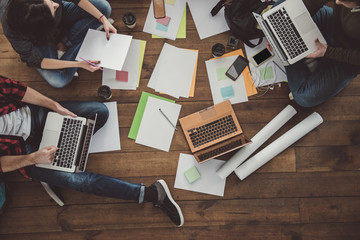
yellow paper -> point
(249, 82)
(141, 58)
(182, 28)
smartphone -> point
(236, 68)
(262, 56)
(159, 8)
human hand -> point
(45, 155)
(90, 65)
(320, 51)
(63, 111)
(108, 27)
(268, 46)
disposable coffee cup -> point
(129, 19)
(218, 50)
(104, 92)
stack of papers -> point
(206, 24)
(268, 73)
(182, 28)
(150, 127)
(128, 78)
(222, 87)
(174, 12)
(175, 72)
(111, 53)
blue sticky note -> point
(227, 92)
(161, 27)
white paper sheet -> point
(131, 65)
(264, 134)
(280, 76)
(208, 182)
(107, 138)
(173, 72)
(155, 131)
(111, 53)
(175, 12)
(206, 24)
(279, 145)
(238, 86)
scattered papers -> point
(209, 182)
(206, 24)
(174, 71)
(133, 65)
(182, 28)
(222, 87)
(262, 78)
(174, 11)
(111, 53)
(107, 138)
(155, 131)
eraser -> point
(192, 174)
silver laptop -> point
(290, 30)
(73, 138)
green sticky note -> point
(266, 73)
(182, 28)
(134, 129)
(220, 73)
(172, 2)
(227, 92)
(141, 58)
(192, 174)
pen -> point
(92, 64)
(167, 119)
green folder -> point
(134, 129)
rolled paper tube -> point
(264, 134)
(279, 145)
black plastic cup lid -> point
(218, 49)
(129, 18)
(104, 91)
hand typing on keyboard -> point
(320, 51)
(44, 155)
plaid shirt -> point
(11, 94)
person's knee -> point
(58, 81)
(305, 100)
(102, 113)
(103, 6)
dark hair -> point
(33, 19)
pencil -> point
(92, 64)
(167, 119)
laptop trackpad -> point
(208, 114)
(304, 23)
(50, 138)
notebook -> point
(213, 132)
(73, 138)
(290, 30)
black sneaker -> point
(167, 203)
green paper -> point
(182, 28)
(134, 129)
(192, 174)
(266, 73)
(141, 59)
(172, 2)
(220, 72)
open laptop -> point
(73, 138)
(213, 131)
(290, 30)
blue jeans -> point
(79, 21)
(330, 76)
(89, 182)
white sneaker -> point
(76, 74)
(60, 53)
(102, 26)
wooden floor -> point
(309, 191)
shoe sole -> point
(164, 185)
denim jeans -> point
(79, 21)
(89, 182)
(330, 76)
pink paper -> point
(122, 76)
(164, 21)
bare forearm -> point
(11, 163)
(48, 63)
(34, 97)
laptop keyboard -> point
(87, 139)
(69, 137)
(288, 34)
(212, 131)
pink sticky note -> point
(122, 76)
(164, 21)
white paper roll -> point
(264, 134)
(279, 145)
